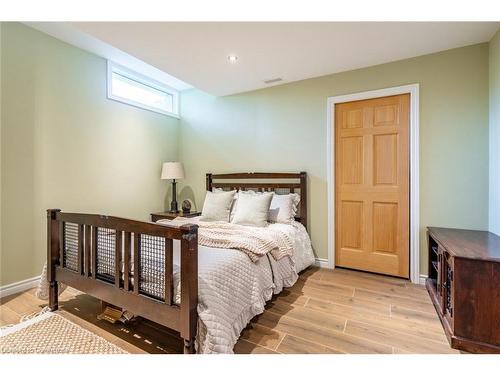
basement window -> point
(129, 87)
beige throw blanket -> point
(253, 241)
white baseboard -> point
(322, 263)
(20, 286)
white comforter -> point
(232, 289)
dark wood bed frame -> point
(76, 242)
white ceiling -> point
(196, 53)
(72, 35)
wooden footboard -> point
(126, 263)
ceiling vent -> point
(274, 80)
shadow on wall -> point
(186, 193)
(168, 198)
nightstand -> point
(172, 215)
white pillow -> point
(235, 201)
(283, 208)
(252, 209)
(233, 204)
(217, 205)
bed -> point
(207, 294)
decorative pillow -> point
(252, 209)
(283, 208)
(235, 202)
(217, 205)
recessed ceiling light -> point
(232, 59)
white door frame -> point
(413, 90)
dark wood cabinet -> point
(464, 285)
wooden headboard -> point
(285, 183)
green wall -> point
(494, 185)
(65, 145)
(283, 128)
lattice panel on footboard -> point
(105, 261)
(136, 262)
(70, 249)
(152, 266)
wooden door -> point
(372, 185)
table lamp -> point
(173, 170)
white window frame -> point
(147, 81)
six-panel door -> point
(372, 185)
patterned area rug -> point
(50, 333)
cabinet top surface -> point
(468, 243)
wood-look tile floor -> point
(326, 311)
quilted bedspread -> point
(232, 288)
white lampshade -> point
(172, 170)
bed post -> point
(209, 181)
(52, 256)
(189, 286)
(303, 200)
